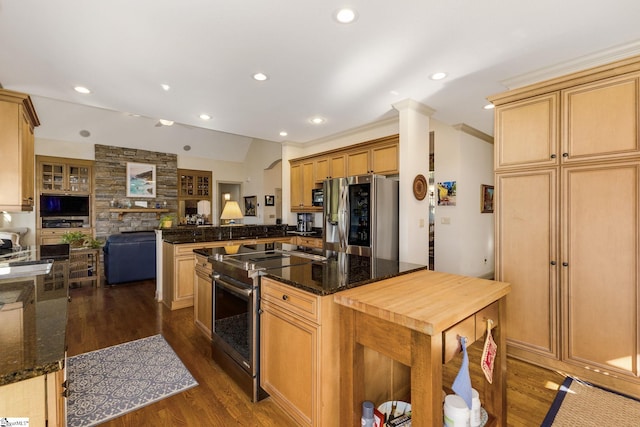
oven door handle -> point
(218, 281)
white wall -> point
(466, 241)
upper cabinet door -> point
(62, 175)
(527, 133)
(17, 120)
(600, 120)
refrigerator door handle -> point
(343, 222)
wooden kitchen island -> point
(417, 319)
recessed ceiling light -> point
(345, 16)
(283, 133)
(489, 106)
(85, 133)
(82, 89)
(204, 116)
(260, 77)
(317, 120)
(438, 76)
(394, 92)
(166, 122)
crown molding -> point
(578, 64)
(409, 103)
(473, 132)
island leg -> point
(351, 370)
(426, 380)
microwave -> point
(317, 197)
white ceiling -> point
(207, 51)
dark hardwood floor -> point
(102, 317)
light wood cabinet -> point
(52, 236)
(379, 158)
(64, 176)
(304, 382)
(194, 184)
(600, 260)
(17, 122)
(527, 133)
(600, 120)
(567, 225)
(524, 254)
(311, 242)
(331, 166)
(302, 182)
(41, 399)
(202, 303)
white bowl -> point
(401, 408)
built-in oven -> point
(317, 197)
(235, 331)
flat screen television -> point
(61, 205)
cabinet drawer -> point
(290, 299)
(311, 242)
(203, 265)
(473, 328)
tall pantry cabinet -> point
(567, 177)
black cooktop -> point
(268, 256)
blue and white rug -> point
(112, 381)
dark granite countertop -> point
(339, 272)
(35, 307)
(196, 234)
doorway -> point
(227, 191)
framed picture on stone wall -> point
(141, 180)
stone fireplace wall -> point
(110, 184)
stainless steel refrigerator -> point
(361, 216)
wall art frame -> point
(250, 205)
(141, 180)
(486, 198)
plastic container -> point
(475, 416)
(456, 411)
(367, 414)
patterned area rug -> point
(112, 381)
(582, 404)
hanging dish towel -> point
(462, 384)
(489, 354)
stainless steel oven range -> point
(236, 294)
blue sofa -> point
(130, 257)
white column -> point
(414, 160)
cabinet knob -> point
(565, 154)
(553, 263)
(565, 264)
(553, 156)
(285, 297)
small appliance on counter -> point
(305, 222)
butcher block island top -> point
(425, 301)
(417, 319)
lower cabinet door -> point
(288, 361)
